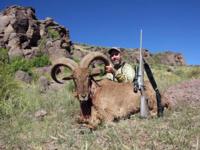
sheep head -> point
(81, 74)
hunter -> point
(121, 71)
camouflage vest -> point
(123, 74)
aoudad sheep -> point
(104, 100)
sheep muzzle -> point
(84, 97)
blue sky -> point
(167, 24)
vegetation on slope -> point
(58, 129)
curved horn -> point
(86, 61)
(66, 62)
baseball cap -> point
(114, 49)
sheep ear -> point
(68, 77)
(96, 72)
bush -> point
(194, 72)
(9, 97)
(26, 65)
(7, 91)
(42, 43)
(40, 61)
(4, 58)
(155, 59)
(53, 34)
(20, 64)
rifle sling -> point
(149, 73)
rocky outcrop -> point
(171, 58)
(25, 36)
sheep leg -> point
(95, 118)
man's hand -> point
(109, 69)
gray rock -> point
(42, 30)
(43, 83)
(21, 24)
(7, 32)
(14, 41)
(40, 114)
(49, 43)
(33, 32)
(15, 52)
(28, 53)
(20, 30)
(23, 76)
(31, 53)
(4, 21)
(56, 53)
(49, 22)
(41, 71)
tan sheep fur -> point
(105, 100)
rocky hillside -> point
(26, 36)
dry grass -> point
(178, 129)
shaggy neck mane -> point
(86, 108)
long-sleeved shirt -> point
(125, 73)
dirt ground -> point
(187, 92)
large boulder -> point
(15, 52)
(7, 32)
(21, 31)
(5, 20)
(16, 24)
(55, 53)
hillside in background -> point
(37, 113)
(27, 37)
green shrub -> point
(8, 91)
(40, 61)
(53, 34)
(27, 65)
(20, 64)
(8, 85)
(155, 59)
(194, 72)
(4, 58)
(9, 96)
(42, 43)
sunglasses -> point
(114, 54)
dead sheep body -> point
(103, 100)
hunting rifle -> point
(144, 111)
(139, 85)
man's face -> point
(115, 57)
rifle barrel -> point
(141, 82)
(143, 101)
